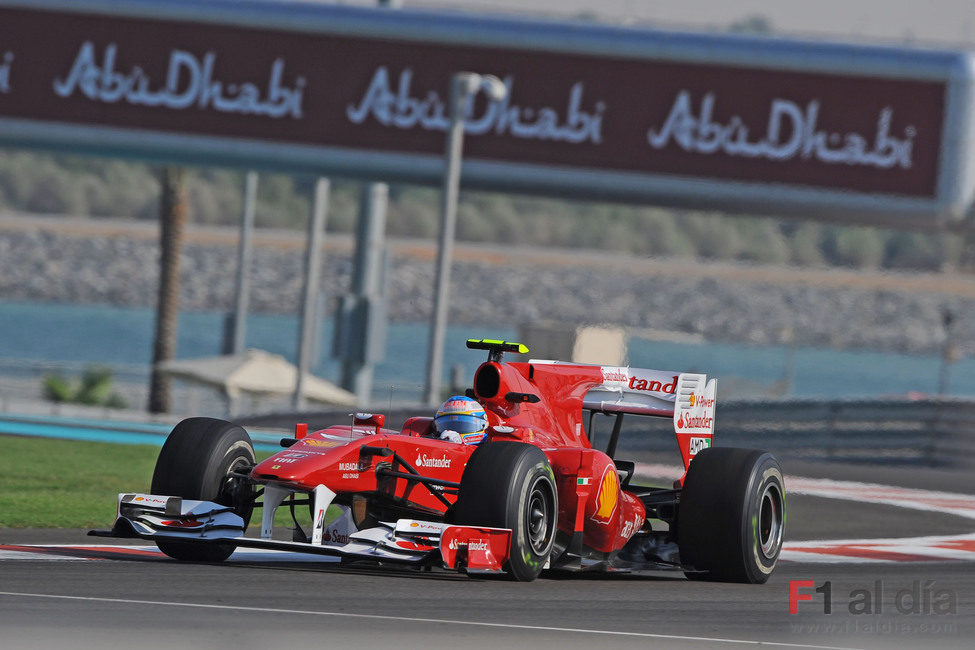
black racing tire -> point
(195, 463)
(511, 485)
(731, 517)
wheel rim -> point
(770, 522)
(538, 516)
(232, 492)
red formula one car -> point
(534, 495)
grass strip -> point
(47, 483)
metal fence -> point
(932, 432)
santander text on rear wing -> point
(687, 397)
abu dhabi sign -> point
(590, 111)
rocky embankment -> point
(70, 260)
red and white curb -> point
(961, 505)
(911, 549)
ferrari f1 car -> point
(534, 495)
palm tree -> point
(172, 220)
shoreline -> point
(114, 261)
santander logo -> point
(652, 385)
(422, 460)
(472, 545)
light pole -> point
(463, 86)
(309, 299)
(238, 321)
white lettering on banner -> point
(790, 133)
(189, 83)
(400, 109)
(7, 62)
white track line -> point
(410, 619)
(27, 555)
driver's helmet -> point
(464, 416)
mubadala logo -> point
(429, 461)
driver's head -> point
(463, 415)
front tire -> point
(511, 485)
(731, 517)
(195, 463)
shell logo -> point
(608, 495)
(315, 442)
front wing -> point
(406, 542)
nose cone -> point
(306, 457)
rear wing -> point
(685, 397)
(689, 398)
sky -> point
(945, 22)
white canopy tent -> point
(255, 373)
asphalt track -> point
(147, 602)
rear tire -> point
(731, 517)
(511, 485)
(195, 463)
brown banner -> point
(746, 124)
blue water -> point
(113, 335)
(130, 433)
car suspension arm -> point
(411, 473)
